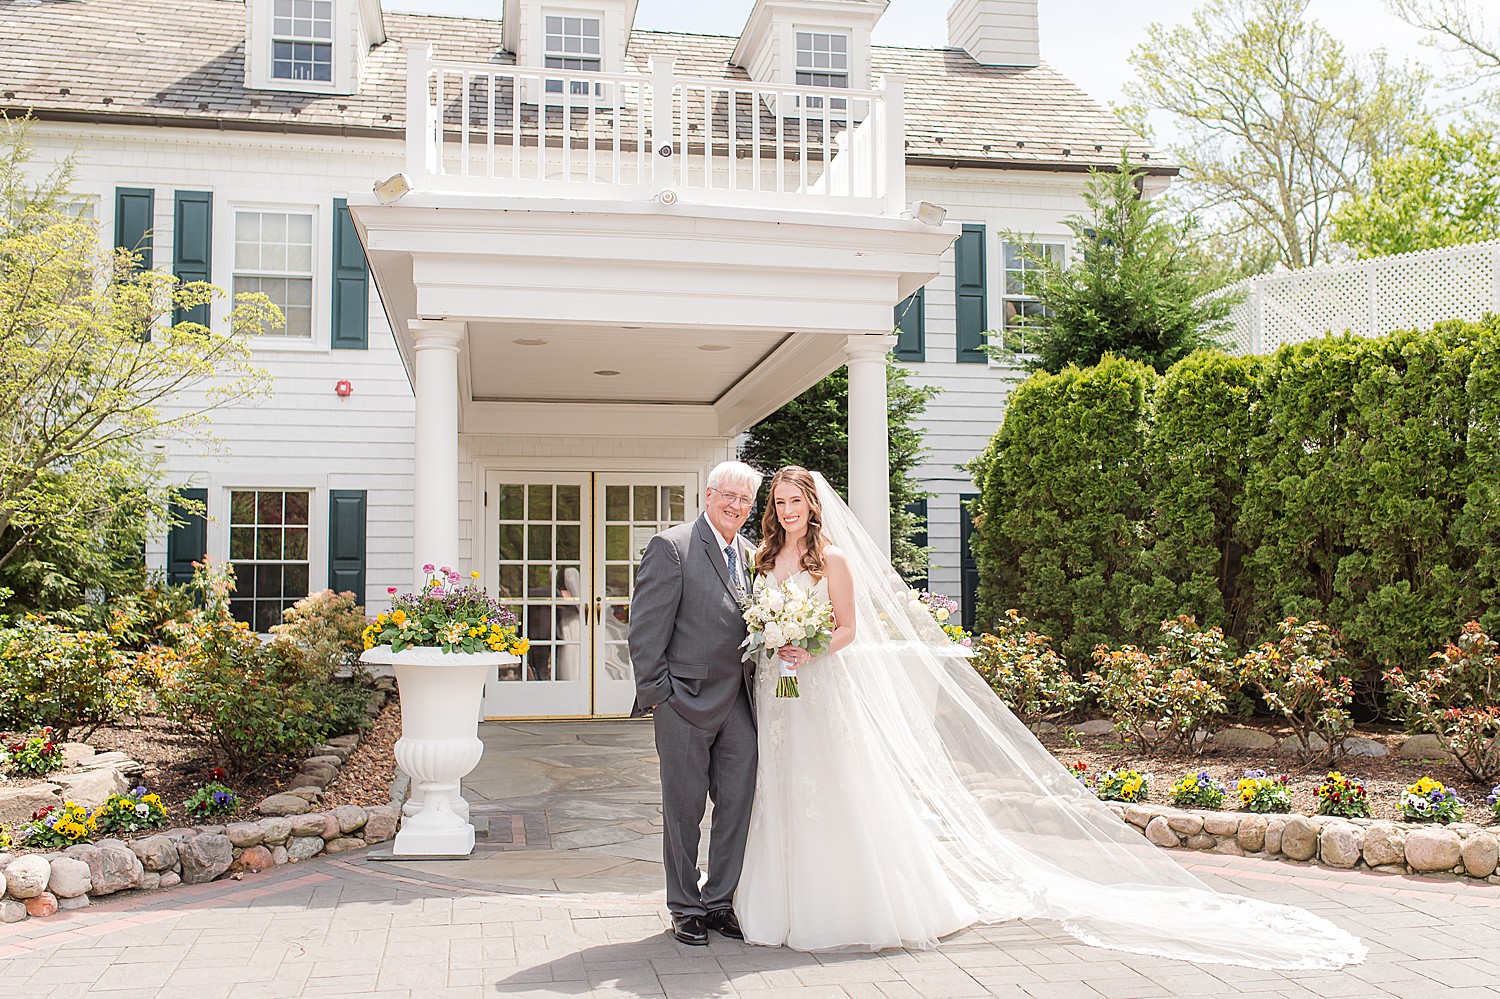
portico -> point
(582, 351)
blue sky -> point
(1088, 40)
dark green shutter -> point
(187, 539)
(351, 283)
(969, 282)
(918, 509)
(346, 541)
(135, 209)
(911, 327)
(968, 568)
(192, 226)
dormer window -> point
(573, 42)
(302, 41)
(822, 59)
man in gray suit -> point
(685, 633)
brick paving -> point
(560, 906)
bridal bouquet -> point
(780, 614)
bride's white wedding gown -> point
(836, 855)
(898, 801)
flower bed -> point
(41, 884)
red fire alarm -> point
(344, 389)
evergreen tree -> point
(1132, 289)
(813, 431)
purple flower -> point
(1436, 796)
(138, 792)
(1255, 774)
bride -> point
(898, 800)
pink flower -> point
(391, 590)
(427, 567)
(436, 591)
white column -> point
(869, 441)
(435, 382)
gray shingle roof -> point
(181, 62)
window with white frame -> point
(269, 551)
(573, 41)
(273, 254)
(1020, 308)
(823, 61)
(302, 40)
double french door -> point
(562, 554)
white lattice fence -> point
(1406, 291)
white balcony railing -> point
(486, 128)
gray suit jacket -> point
(686, 626)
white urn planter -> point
(440, 703)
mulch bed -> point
(176, 765)
(1385, 777)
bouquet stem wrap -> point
(786, 684)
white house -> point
(595, 257)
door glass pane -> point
(512, 503)
(540, 505)
(616, 502)
(567, 541)
(636, 512)
(540, 553)
(569, 503)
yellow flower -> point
(399, 616)
(473, 575)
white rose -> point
(776, 602)
(775, 637)
(941, 614)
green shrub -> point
(1304, 677)
(1344, 479)
(1356, 477)
(1063, 494)
(72, 681)
(1170, 694)
(1197, 451)
(1455, 698)
(326, 627)
(250, 702)
(1021, 667)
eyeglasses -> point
(734, 499)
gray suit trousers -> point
(719, 764)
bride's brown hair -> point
(773, 535)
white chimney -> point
(996, 32)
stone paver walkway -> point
(564, 900)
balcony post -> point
(662, 137)
(418, 113)
(893, 146)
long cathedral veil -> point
(1018, 834)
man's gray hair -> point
(734, 473)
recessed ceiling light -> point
(606, 373)
(713, 346)
(529, 342)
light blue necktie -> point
(734, 570)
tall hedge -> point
(1357, 476)
(1201, 424)
(1355, 480)
(1062, 490)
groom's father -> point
(685, 635)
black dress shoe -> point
(690, 930)
(726, 923)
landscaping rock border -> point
(307, 786)
(1462, 848)
(39, 884)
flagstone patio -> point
(563, 897)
